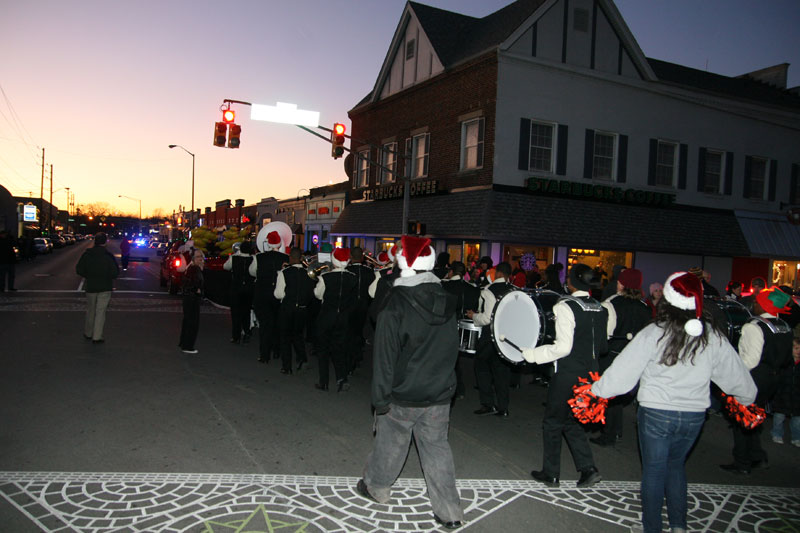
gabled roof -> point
(739, 87)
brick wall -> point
(436, 104)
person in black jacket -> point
(295, 289)
(242, 289)
(786, 402)
(265, 268)
(467, 297)
(413, 382)
(99, 268)
(192, 289)
(7, 260)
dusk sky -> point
(105, 86)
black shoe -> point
(604, 441)
(485, 410)
(361, 488)
(89, 337)
(502, 413)
(12, 289)
(98, 341)
(588, 478)
(263, 359)
(342, 385)
(285, 371)
(320, 387)
(235, 341)
(301, 365)
(246, 338)
(734, 468)
(541, 477)
(763, 463)
(452, 524)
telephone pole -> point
(50, 206)
(41, 193)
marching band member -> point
(365, 276)
(468, 296)
(265, 267)
(295, 289)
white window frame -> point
(362, 169)
(614, 156)
(553, 145)
(466, 164)
(764, 180)
(673, 178)
(722, 159)
(420, 159)
(389, 160)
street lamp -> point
(140, 209)
(191, 154)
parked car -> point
(173, 264)
(42, 245)
(58, 241)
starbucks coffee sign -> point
(594, 191)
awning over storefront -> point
(770, 235)
(511, 217)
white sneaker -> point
(189, 351)
(777, 440)
(796, 443)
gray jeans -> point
(429, 427)
(96, 305)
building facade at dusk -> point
(542, 128)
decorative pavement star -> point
(259, 521)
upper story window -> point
(411, 47)
(757, 178)
(418, 147)
(362, 169)
(389, 161)
(713, 171)
(472, 144)
(604, 157)
(542, 145)
(666, 163)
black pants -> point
(355, 341)
(241, 303)
(292, 322)
(191, 321)
(7, 271)
(267, 312)
(124, 260)
(493, 376)
(331, 344)
(558, 420)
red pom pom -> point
(748, 417)
(586, 406)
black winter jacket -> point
(416, 345)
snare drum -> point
(469, 334)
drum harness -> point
(780, 326)
(592, 306)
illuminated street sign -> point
(284, 113)
(29, 213)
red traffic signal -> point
(233, 135)
(220, 134)
(337, 140)
(228, 116)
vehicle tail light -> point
(177, 262)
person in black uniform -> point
(467, 297)
(337, 290)
(766, 350)
(192, 290)
(365, 275)
(627, 314)
(492, 373)
(242, 287)
(295, 290)
(381, 287)
(581, 336)
(265, 268)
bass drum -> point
(730, 315)
(522, 319)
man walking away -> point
(7, 260)
(125, 252)
(99, 268)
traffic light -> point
(337, 140)
(233, 136)
(228, 116)
(220, 134)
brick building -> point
(543, 129)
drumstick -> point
(504, 339)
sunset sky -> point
(105, 86)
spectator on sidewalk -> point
(125, 252)
(192, 288)
(8, 260)
(99, 268)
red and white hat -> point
(382, 259)
(273, 241)
(685, 291)
(416, 254)
(340, 258)
(390, 253)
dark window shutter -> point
(651, 163)
(729, 173)
(524, 144)
(793, 191)
(588, 154)
(773, 179)
(682, 166)
(561, 158)
(748, 168)
(622, 164)
(480, 142)
(701, 170)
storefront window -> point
(602, 261)
(513, 253)
(785, 273)
(357, 241)
(455, 252)
(472, 252)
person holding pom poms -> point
(673, 359)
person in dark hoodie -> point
(99, 268)
(416, 345)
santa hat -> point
(390, 253)
(382, 259)
(273, 241)
(685, 291)
(416, 254)
(774, 301)
(341, 256)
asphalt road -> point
(80, 419)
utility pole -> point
(68, 213)
(50, 207)
(41, 192)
